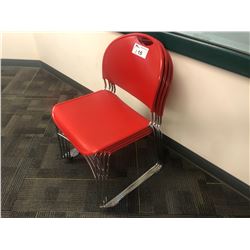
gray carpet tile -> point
(37, 183)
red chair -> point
(100, 123)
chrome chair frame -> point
(99, 163)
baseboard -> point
(21, 62)
(184, 152)
(208, 167)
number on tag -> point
(140, 50)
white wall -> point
(207, 109)
(19, 46)
(78, 55)
(1, 45)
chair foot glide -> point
(74, 152)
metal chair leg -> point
(65, 147)
(102, 160)
(113, 202)
(158, 145)
(99, 165)
(153, 170)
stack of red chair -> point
(100, 122)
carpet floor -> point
(35, 182)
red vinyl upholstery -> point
(98, 121)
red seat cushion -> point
(97, 121)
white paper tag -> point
(140, 50)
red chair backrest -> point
(139, 76)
